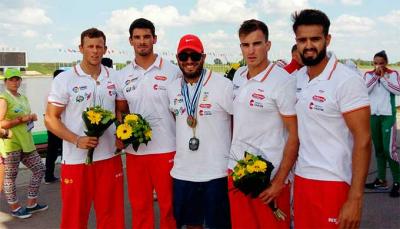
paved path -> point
(380, 211)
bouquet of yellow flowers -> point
(252, 175)
(231, 71)
(97, 120)
(134, 130)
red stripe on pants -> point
(317, 203)
(145, 173)
(247, 212)
(101, 183)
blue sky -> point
(47, 29)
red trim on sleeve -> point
(57, 103)
(356, 109)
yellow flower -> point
(240, 173)
(250, 168)
(235, 65)
(260, 166)
(248, 157)
(124, 131)
(148, 134)
(131, 117)
(94, 117)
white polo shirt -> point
(257, 118)
(380, 89)
(213, 130)
(326, 142)
(239, 78)
(146, 94)
(75, 91)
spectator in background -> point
(15, 114)
(54, 149)
(383, 84)
(108, 62)
(296, 63)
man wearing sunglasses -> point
(202, 104)
(144, 91)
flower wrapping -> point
(252, 175)
(97, 120)
(134, 130)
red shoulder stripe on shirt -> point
(208, 78)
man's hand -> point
(350, 214)
(380, 71)
(86, 142)
(272, 192)
(119, 144)
(33, 117)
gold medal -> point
(191, 121)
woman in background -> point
(15, 114)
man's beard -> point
(312, 62)
(192, 75)
(145, 52)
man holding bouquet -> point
(264, 121)
(202, 104)
(144, 82)
(86, 85)
(334, 131)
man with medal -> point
(265, 124)
(201, 102)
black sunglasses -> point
(194, 56)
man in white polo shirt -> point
(335, 141)
(202, 104)
(144, 88)
(264, 123)
(85, 85)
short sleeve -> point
(58, 95)
(352, 95)
(286, 98)
(227, 99)
(119, 86)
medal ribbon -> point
(191, 105)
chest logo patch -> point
(162, 78)
(319, 98)
(258, 96)
(205, 105)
